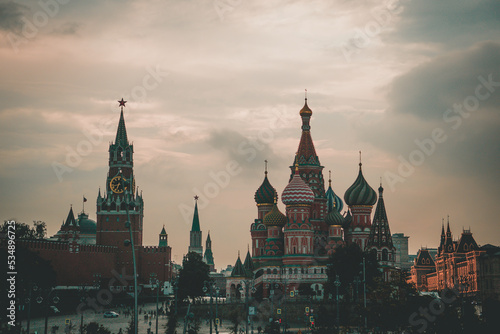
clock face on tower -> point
(117, 184)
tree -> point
(40, 229)
(24, 231)
(171, 326)
(347, 263)
(192, 276)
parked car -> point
(110, 314)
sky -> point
(214, 88)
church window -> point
(117, 219)
(107, 219)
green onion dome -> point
(334, 218)
(265, 193)
(360, 193)
(332, 200)
(275, 217)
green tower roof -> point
(121, 133)
(196, 219)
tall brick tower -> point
(311, 171)
(195, 233)
(120, 188)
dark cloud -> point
(249, 152)
(428, 90)
(447, 22)
(443, 94)
(11, 14)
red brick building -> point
(459, 264)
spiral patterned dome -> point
(334, 218)
(297, 191)
(275, 217)
(265, 193)
(360, 193)
(332, 200)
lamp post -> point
(364, 289)
(217, 290)
(156, 283)
(208, 287)
(337, 284)
(176, 288)
(55, 300)
(126, 189)
(32, 287)
(247, 290)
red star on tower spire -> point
(122, 103)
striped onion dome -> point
(297, 191)
(265, 193)
(332, 200)
(334, 218)
(360, 193)
(275, 217)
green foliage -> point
(235, 316)
(347, 262)
(171, 326)
(24, 231)
(95, 328)
(192, 276)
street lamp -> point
(40, 300)
(247, 289)
(208, 287)
(337, 284)
(153, 280)
(32, 287)
(126, 185)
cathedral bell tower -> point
(120, 190)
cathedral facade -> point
(292, 248)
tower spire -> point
(265, 162)
(329, 178)
(121, 133)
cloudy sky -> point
(214, 89)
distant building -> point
(459, 264)
(401, 244)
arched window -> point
(385, 254)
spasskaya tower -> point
(120, 190)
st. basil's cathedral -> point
(293, 248)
